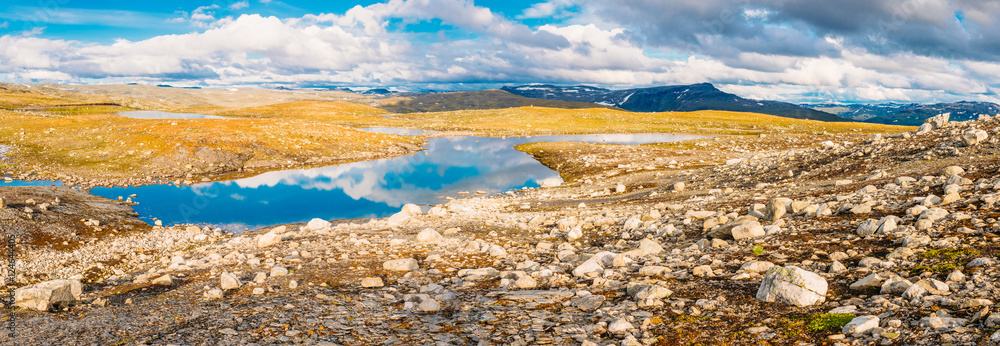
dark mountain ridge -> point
(679, 98)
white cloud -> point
(239, 5)
(359, 47)
(4, 25)
(546, 9)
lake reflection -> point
(359, 190)
(166, 115)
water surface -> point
(358, 190)
(166, 115)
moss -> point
(824, 322)
(758, 250)
(949, 254)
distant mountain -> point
(681, 98)
(482, 99)
(911, 114)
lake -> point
(367, 189)
(166, 115)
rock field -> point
(886, 240)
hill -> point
(911, 114)
(482, 99)
(682, 98)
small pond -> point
(357, 190)
(166, 115)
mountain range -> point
(680, 98)
(912, 114)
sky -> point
(787, 50)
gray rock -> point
(589, 303)
(478, 274)
(868, 282)
(936, 322)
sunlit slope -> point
(540, 120)
(112, 146)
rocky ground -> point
(851, 241)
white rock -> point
(974, 136)
(860, 325)
(620, 326)
(229, 282)
(48, 295)
(402, 265)
(936, 322)
(429, 236)
(268, 239)
(748, 230)
(372, 282)
(214, 293)
(590, 268)
(867, 227)
(478, 274)
(756, 266)
(497, 251)
(574, 234)
(938, 121)
(317, 224)
(551, 182)
(793, 286)
(165, 280)
(652, 292)
(411, 210)
(429, 305)
(277, 271)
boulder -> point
(973, 137)
(229, 282)
(164, 280)
(726, 231)
(268, 239)
(49, 295)
(775, 210)
(429, 236)
(793, 286)
(938, 121)
(317, 224)
(590, 268)
(748, 230)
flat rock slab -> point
(530, 295)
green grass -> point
(824, 322)
(949, 254)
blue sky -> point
(849, 50)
